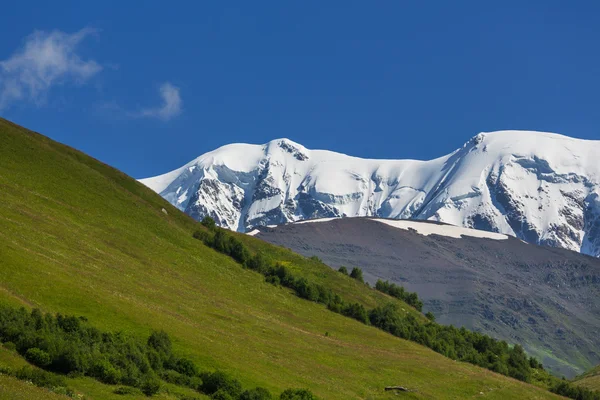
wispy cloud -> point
(171, 106)
(46, 59)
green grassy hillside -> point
(590, 379)
(79, 237)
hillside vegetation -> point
(80, 238)
(589, 380)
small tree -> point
(357, 274)
(150, 386)
(430, 316)
(38, 357)
(209, 223)
(343, 270)
(220, 381)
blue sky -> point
(148, 88)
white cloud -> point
(46, 59)
(171, 106)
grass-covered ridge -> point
(80, 238)
(590, 379)
(456, 344)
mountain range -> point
(542, 188)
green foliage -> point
(9, 346)
(219, 381)
(69, 345)
(459, 344)
(398, 292)
(160, 341)
(356, 311)
(151, 385)
(40, 377)
(209, 223)
(429, 315)
(357, 274)
(297, 394)
(316, 259)
(38, 357)
(343, 270)
(566, 389)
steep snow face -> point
(540, 187)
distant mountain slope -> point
(540, 187)
(79, 237)
(546, 299)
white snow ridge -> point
(540, 187)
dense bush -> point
(343, 270)
(40, 378)
(209, 223)
(398, 292)
(357, 274)
(38, 357)
(221, 382)
(566, 389)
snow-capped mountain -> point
(540, 187)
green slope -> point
(589, 380)
(79, 237)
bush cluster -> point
(70, 345)
(458, 344)
(410, 298)
(566, 389)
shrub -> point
(186, 367)
(209, 222)
(398, 292)
(9, 346)
(38, 357)
(430, 316)
(150, 386)
(160, 341)
(40, 377)
(357, 274)
(220, 381)
(356, 311)
(221, 394)
(105, 372)
(273, 280)
(343, 270)
(297, 394)
(5, 370)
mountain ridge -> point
(541, 187)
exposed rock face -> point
(539, 187)
(543, 298)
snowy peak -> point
(540, 187)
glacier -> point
(540, 187)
